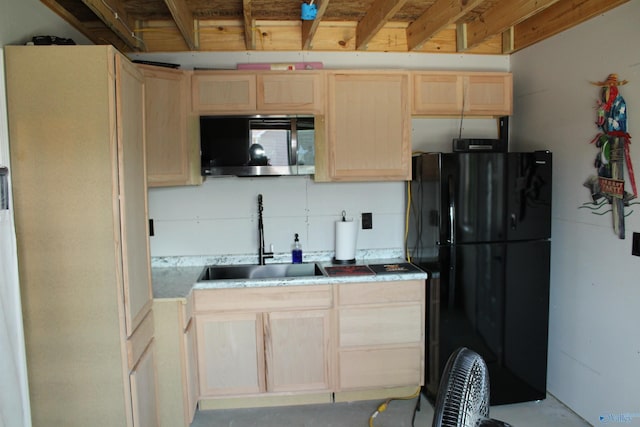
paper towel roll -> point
(346, 236)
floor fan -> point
(463, 395)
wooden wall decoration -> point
(613, 143)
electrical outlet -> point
(367, 221)
(635, 244)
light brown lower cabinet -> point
(231, 359)
(380, 334)
(278, 343)
(259, 343)
(142, 379)
(176, 361)
(297, 350)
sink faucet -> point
(262, 255)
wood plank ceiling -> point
(437, 26)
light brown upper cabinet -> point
(223, 92)
(442, 93)
(291, 92)
(228, 92)
(368, 128)
(173, 149)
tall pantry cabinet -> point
(76, 135)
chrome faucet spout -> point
(262, 254)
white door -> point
(14, 394)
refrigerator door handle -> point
(452, 212)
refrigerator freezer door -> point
(526, 320)
(471, 300)
(472, 198)
(494, 299)
(529, 196)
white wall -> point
(20, 20)
(594, 343)
(220, 216)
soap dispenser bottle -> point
(296, 251)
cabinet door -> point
(437, 94)
(380, 325)
(230, 354)
(143, 390)
(291, 92)
(133, 193)
(456, 93)
(172, 150)
(380, 367)
(191, 371)
(381, 334)
(369, 129)
(297, 350)
(489, 94)
(220, 92)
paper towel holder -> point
(343, 261)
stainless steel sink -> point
(251, 271)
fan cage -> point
(464, 390)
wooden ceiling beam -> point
(437, 18)
(249, 34)
(185, 22)
(497, 19)
(561, 16)
(113, 14)
(310, 27)
(380, 12)
(508, 43)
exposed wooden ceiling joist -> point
(116, 18)
(249, 33)
(380, 12)
(557, 18)
(498, 19)
(448, 26)
(183, 17)
(88, 29)
(435, 19)
(310, 27)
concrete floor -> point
(548, 412)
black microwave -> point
(257, 145)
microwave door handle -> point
(293, 149)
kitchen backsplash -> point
(220, 217)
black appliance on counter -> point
(481, 221)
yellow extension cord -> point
(383, 406)
(406, 222)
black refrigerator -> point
(480, 222)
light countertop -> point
(177, 280)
